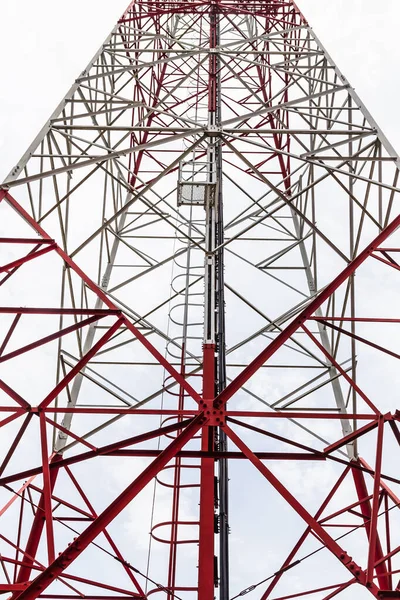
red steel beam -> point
(82, 541)
(81, 364)
(20, 261)
(152, 452)
(341, 371)
(36, 529)
(351, 437)
(361, 339)
(14, 395)
(106, 301)
(320, 532)
(355, 319)
(59, 311)
(367, 469)
(8, 240)
(9, 333)
(50, 338)
(286, 333)
(365, 507)
(102, 450)
(108, 537)
(207, 474)
(47, 490)
(375, 550)
(286, 565)
(69, 432)
(15, 442)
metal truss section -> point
(199, 257)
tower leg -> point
(36, 531)
(207, 489)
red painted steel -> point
(308, 312)
(37, 528)
(207, 474)
(198, 414)
(104, 519)
(365, 507)
(328, 541)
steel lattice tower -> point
(199, 322)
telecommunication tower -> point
(199, 322)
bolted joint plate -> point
(359, 574)
(213, 130)
(216, 417)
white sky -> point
(46, 44)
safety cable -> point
(93, 543)
(300, 560)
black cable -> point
(300, 560)
(122, 561)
